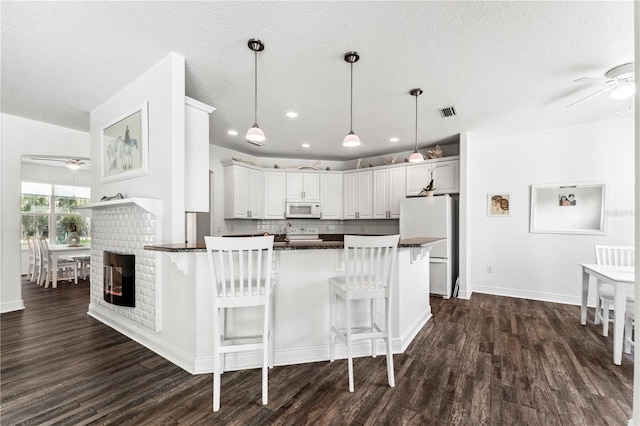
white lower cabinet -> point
(357, 195)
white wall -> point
(163, 86)
(545, 266)
(21, 136)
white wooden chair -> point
(368, 275)
(38, 272)
(629, 323)
(32, 258)
(241, 277)
(68, 268)
(610, 255)
(84, 263)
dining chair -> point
(629, 324)
(610, 255)
(368, 276)
(84, 264)
(32, 258)
(240, 269)
(38, 272)
(65, 266)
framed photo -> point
(498, 204)
(125, 149)
(568, 208)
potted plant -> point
(428, 190)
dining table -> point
(622, 278)
(57, 250)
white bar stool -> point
(369, 263)
(241, 277)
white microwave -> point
(301, 209)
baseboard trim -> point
(532, 295)
(16, 305)
(410, 334)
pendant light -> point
(351, 140)
(255, 135)
(416, 156)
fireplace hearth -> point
(120, 279)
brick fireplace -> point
(126, 228)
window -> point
(49, 211)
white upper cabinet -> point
(357, 195)
(388, 190)
(274, 195)
(196, 120)
(331, 195)
(243, 192)
(303, 186)
(446, 176)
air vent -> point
(256, 143)
(449, 111)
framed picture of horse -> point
(125, 150)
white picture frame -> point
(125, 145)
(568, 208)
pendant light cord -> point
(255, 68)
(416, 123)
(351, 124)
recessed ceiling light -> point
(305, 145)
(292, 114)
(232, 133)
(394, 140)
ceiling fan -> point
(72, 163)
(620, 81)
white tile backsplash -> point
(126, 230)
(371, 227)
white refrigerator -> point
(434, 217)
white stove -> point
(302, 234)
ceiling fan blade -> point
(599, 92)
(589, 80)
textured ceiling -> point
(506, 66)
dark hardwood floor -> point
(490, 360)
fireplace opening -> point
(120, 278)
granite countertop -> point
(330, 242)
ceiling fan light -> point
(73, 166)
(351, 140)
(623, 92)
(255, 134)
(416, 157)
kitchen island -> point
(301, 303)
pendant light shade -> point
(351, 140)
(255, 134)
(416, 156)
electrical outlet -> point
(489, 269)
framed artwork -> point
(498, 204)
(568, 208)
(125, 150)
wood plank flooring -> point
(490, 360)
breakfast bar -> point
(301, 302)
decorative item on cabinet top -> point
(435, 153)
(427, 191)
